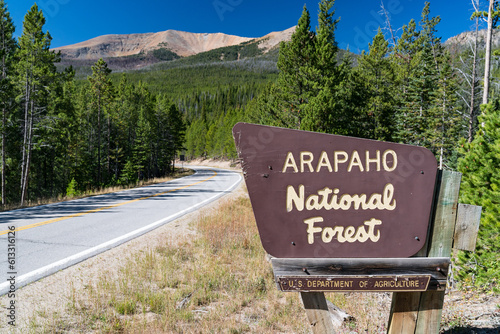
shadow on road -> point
(160, 191)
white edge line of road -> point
(50, 269)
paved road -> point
(53, 237)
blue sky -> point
(73, 21)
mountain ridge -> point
(182, 44)
(467, 38)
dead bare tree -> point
(388, 27)
(473, 82)
(493, 16)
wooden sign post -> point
(421, 312)
(349, 214)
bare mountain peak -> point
(467, 38)
(274, 38)
(182, 43)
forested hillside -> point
(64, 132)
(60, 135)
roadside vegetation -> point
(217, 281)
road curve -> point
(53, 237)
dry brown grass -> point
(216, 282)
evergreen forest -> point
(64, 132)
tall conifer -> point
(378, 74)
(295, 63)
(7, 50)
(101, 88)
(35, 71)
(318, 113)
(326, 47)
(422, 81)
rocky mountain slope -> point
(182, 44)
(466, 39)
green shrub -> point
(71, 190)
(481, 186)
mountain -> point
(466, 39)
(181, 43)
(139, 50)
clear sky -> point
(73, 21)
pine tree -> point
(266, 108)
(56, 137)
(324, 73)
(376, 69)
(7, 50)
(196, 138)
(101, 88)
(442, 126)
(403, 60)
(349, 102)
(176, 130)
(143, 146)
(145, 133)
(295, 82)
(84, 152)
(168, 135)
(427, 115)
(326, 47)
(126, 106)
(313, 92)
(62, 134)
(445, 125)
(339, 106)
(422, 82)
(481, 186)
(35, 71)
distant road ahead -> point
(53, 237)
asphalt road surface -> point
(40, 241)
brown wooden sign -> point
(327, 196)
(353, 283)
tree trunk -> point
(473, 84)
(108, 162)
(4, 124)
(29, 140)
(488, 54)
(99, 140)
(25, 139)
(4, 111)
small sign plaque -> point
(408, 283)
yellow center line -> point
(22, 228)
